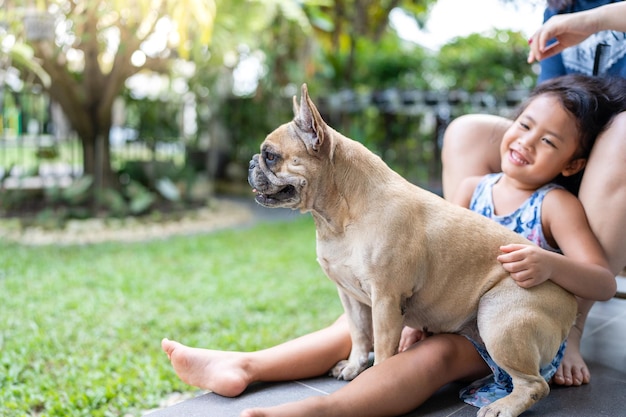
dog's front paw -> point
(347, 370)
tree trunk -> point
(97, 160)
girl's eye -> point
(524, 125)
(548, 142)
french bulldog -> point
(401, 255)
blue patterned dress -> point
(526, 221)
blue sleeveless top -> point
(526, 220)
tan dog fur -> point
(401, 255)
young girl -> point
(577, 36)
(549, 140)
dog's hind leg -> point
(521, 359)
(520, 340)
(527, 390)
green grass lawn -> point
(80, 326)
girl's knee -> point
(448, 350)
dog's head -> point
(290, 158)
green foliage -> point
(168, 189)
(154, 120)
(249, 120)
(494, 63)
(82, 324)
(20, 54)
(137, 199)
(144, 182)
(16, 198)
(66, 203)
(47, 152)
(339, 23)
(140, 197)
(78, 191)
(389, 63)
(114, 202)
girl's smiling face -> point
(541, 144)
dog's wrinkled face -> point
(290, 156)
(269, 173)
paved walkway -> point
(225, 212)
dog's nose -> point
(251, 167)
(253, 162)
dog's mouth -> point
(285, 194)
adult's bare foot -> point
(573, 370)
(213, 370)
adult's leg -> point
(603, 195)
(471, 146)
(394, 387)
(603, 192)
(229, 373)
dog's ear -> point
(309, 120)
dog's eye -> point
(270, 157)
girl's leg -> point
(394, 387)
(471, 146)
(229, 373)
(603, 195)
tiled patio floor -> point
(603, 346)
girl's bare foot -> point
(573, 370)
(221, 372)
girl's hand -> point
(528, 264)
(409, 337)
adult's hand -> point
(567, 29)
(572, 28)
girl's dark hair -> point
(592, 101)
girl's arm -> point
(584, 270)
